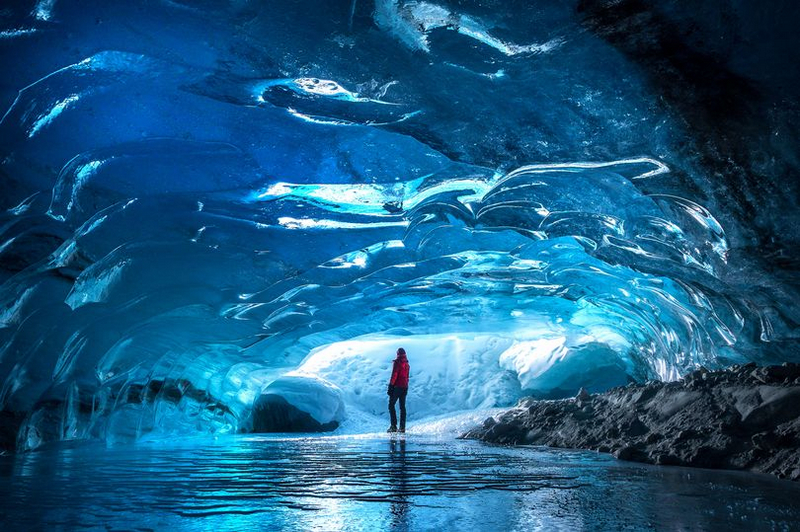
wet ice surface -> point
(374, 482)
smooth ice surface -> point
(204, 203)
(375, 482)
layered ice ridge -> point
(185, 312)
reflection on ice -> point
(374, 482)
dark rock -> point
(653, 437)
(705, 456)
(765, 441)
(636, 428)
(501, 430)
(583, 395)
(631, 453)
(778, 405)
(665, 459)
(747, 417)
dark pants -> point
(398, 393)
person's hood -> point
(402, 358)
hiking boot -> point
(402, 430)
(392, 429)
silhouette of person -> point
(398, 388)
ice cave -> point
(219, 220)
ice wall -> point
(203, 206)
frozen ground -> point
(373, 482)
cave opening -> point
(219, 221)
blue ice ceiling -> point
(210, 203)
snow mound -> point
(448, 373)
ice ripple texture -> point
(371, 482)
(180, 237)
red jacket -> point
(400, 372)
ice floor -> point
(373, 482)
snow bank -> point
(448, 373)
(317, 397)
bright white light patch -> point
(310, 223)
(530, 359)
(51, 115)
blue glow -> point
(369, 482)
(205, 205)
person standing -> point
(398, 389)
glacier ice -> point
(297, 402)
(198, 233)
